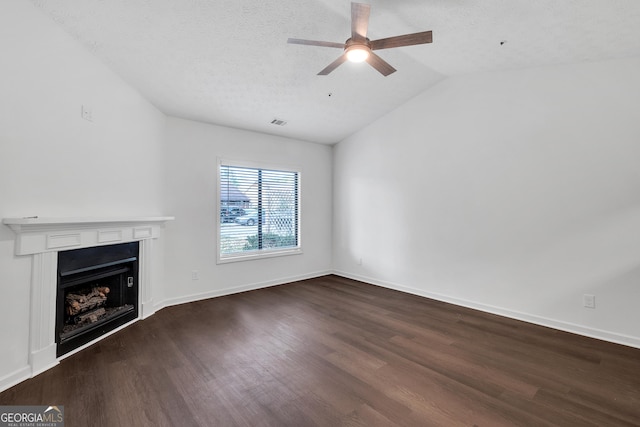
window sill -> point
(259, 255)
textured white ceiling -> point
(227, 61)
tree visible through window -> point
(258, 211)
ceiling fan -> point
(359, 48)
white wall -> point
(191, 180)
(55, 164)
(513, 192)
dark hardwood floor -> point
(332, 351)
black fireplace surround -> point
(97, 292)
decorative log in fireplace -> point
(76, 303)
(97, 292)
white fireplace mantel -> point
(43, 238)
(38, 235)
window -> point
(259, 212)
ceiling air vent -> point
(278, 122)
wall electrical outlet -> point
(195, 275)
(589, 301)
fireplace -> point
(43, 240)
(97, 292)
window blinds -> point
(259, 210)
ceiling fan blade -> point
(359, 20)
(316, 43)
(329, 68)
(405, 40)
(380, 64)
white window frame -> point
(262, 253)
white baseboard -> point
(43, 359)
(14, 378)
(243, 288)
(525, 317)
(147, 308)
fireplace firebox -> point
(97, 292)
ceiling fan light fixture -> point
(357, 53)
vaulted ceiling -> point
(227, 62)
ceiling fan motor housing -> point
(357, 51)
